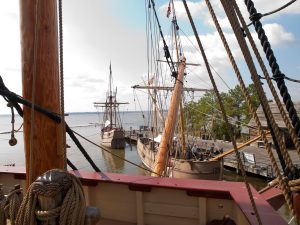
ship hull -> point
(127, 199)
(114, 139)
(180, 168)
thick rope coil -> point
(13, 202)
(70, 212)
(9, 205)
(277, 75)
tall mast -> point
(110, 97)
(43, 138)
(170, 123)
(182, 128)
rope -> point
(9, 205)
(286, 120)
(236, 28)
(259, 15)
(277, 75)
(15, 99)
(223, 114)
(166, 49)
(61, 73)
(71, 210)
(13, 203)
(291, 79)
(293, 184)
(12, 141)
(2, 205)
(259, 88)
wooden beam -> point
(238, 148)
(170, 122)
(40, 66)
(168, 88)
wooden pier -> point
(255, 159)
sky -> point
(98, 32)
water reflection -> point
(257, 182)
(112, 162)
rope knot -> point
(55, 195)
(278, 76)
(255, 17)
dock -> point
(132, 136)
(255, 159)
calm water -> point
(87, 124)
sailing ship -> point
(112, 132)
(186, 163)
(121, 198)
(182, 158)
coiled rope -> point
(2, 205)
(70, 212)
(10, 204)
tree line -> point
(204, 117)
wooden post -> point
(170, 123)
(40, 65)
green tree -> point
(205, 114)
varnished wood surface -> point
(170, 122)
(47, 135)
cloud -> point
(263, 6)
(217, 55)
(277, 35)
(199, 10)
(196, 9)
(94, 35)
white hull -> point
(114, 139)
(182, 168)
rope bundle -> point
(71, 210)
(10, 205)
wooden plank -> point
(139, 208)
(202, 211)
(171, 210)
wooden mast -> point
(110, 99)
(40, 66)
(170, 123)
(182, 128)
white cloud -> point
(277, 35)
(93, 37)
(217, 55)
(199, 10)
(263, 6)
